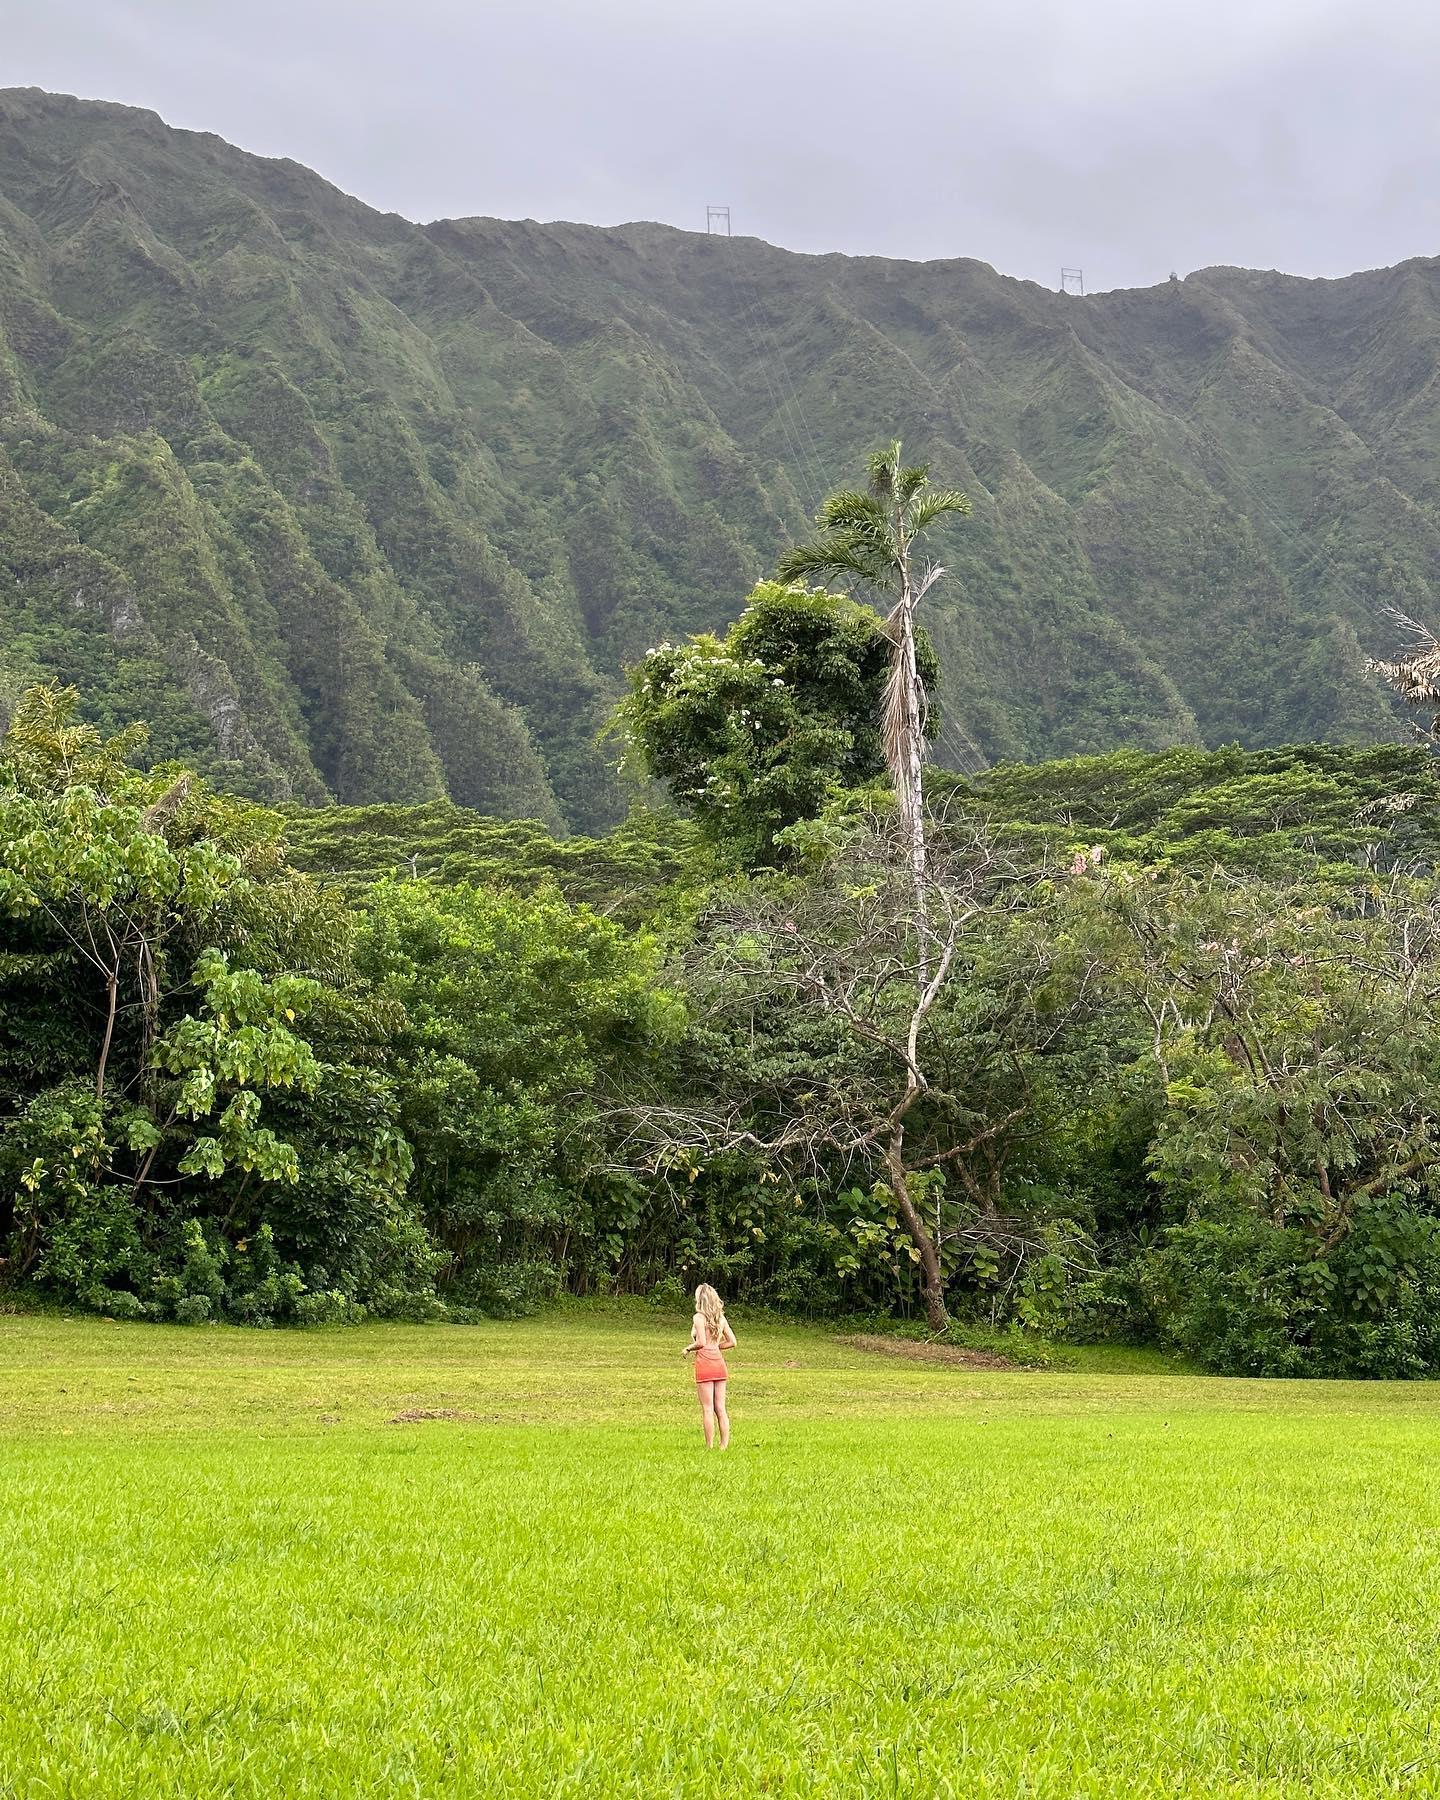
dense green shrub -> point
(1244, 1297)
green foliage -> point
(1245, 1297)
(755, 732)
(511, 1012)
(380, 512)
(146, 1146)
(628, 873)
(1265, 812)
(1184, 1092)
(224, 1134)
(1299, 1045)
(1295, 1052)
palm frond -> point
(829, 557)
(910, 482)
(935, 505)
(883, 467)
(933, 573)
(1412, 628)
(1415, 677)
(850, 511)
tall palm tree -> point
(871, 537)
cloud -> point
(1126, 136)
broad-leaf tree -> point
(758, 730)
(509, 1010)
(153, 1025)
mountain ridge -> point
(373, 510)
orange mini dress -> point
(710, 1364)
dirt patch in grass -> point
(931, 1353)
(418, 1415)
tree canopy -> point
(1175, 1081)
(753, 732)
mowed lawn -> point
(238, 1563)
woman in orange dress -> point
(710, 1336)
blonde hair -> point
(711, 1308)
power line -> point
(816, 465)
(781, 415)
(785, 406)
(968, 756)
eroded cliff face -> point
(352, 507)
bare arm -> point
(727, 1336)
(697, 1334)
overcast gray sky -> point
(1127, 137)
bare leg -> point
(706, 1390)
(722, 1417)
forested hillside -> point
(353, 508)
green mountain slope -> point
(353, 508)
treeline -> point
(1171, 1095)
(229, 1093)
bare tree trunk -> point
(112, 991)
(910, 789)
(914, 797)
(932, 1281)
(907, 754)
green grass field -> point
(230, 1564)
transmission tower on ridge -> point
(717, 221)
(1072, 281)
